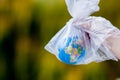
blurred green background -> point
(27, 25)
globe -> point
(73, 51)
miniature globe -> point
(73, 51)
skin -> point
(114, 42)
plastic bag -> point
(85, 38)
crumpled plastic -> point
(84, 38)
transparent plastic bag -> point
(82, 42)
(85, 38)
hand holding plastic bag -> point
(84, 38)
